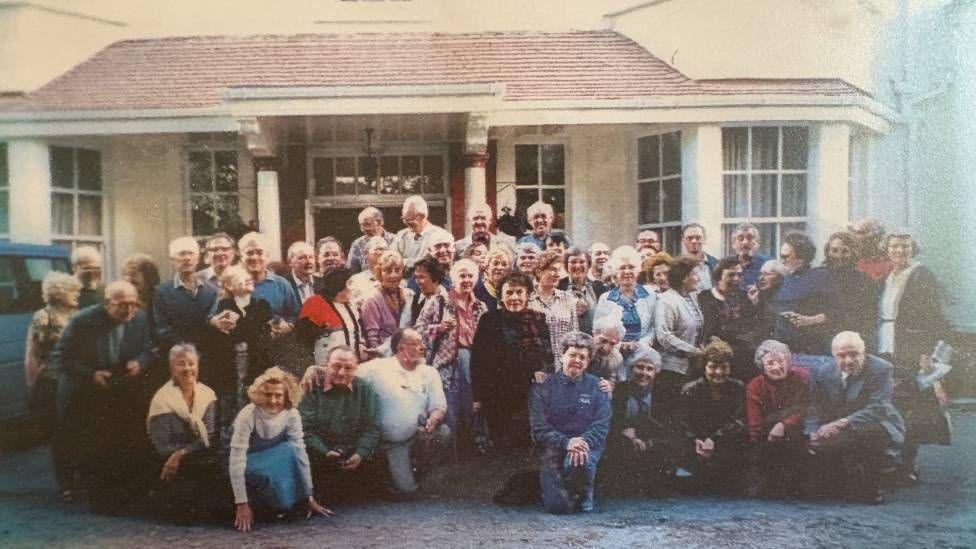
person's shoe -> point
(586, 503)
(681, 472)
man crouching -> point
(570, 417)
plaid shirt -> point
(560, 315)
(442, 348)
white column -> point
(828, 198)
(30, 191)
(475, 158)
(701, 186)
(269, 208)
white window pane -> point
(736, 190)
(62, 213)
(90, 215)
(795, 195)
(735, 148)
(764, 148)
(764, 195)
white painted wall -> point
(65, 39)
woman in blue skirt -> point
(269, 469)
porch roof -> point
(205, 73)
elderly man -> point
(540, 217)
(414, 241)
(412, 407)
(181, 305)
(371, 224)
(86, 265)
(268, 286)
(745, 242)
(854, 429)
(481, 217)
(330, 254)
(606, 360)
(302, 277)
(600, 254)
(648, 240)
(570, 417)
(340, 418)
(693, 239)
(101, 357)
(221, 254)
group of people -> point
(277, 386)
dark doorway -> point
(343, 223)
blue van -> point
(22, 269)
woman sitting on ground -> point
(182, 428)
(269, 468)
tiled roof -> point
(174, 73)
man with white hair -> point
(364, 283)
(371, 223)
(481, 218)
(330, 255)
(854, 429)
(413, 242)
(102, 356)
(86, 265)
(600, 254)
(181, 305)
(540, 217)
(303, 280)
(220, 253)
(745, 242)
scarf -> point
(321, 313)
(169, 400)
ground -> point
(457, 512)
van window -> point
(20, 282)
(8, 285)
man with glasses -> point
(481, 218)
(745, 242)
(413, 242)
(371, 223)
(648, 239)
(102, 357)
(220, 254)
(412, 408)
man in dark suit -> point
(102, 397)
(854, 429)
(302, 277)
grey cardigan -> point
(677, 329)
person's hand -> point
(225, 321)
(631, 434)
(314, 508)
(606, 386)
(446, 325)
(801, 321)
(352, 462)
(827, 431)
(132, 368)
(777, 432)
(172, 465)
(577, 444)
(475, 407)
(101, 377)
(279, 327)
(315, 376)
(332, 454)
(581, 307)
(628, 347)
(540, 377)
(752, 292)
(431, 424)
(704, 448)
(243, 517)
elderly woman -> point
(771, 276)
(636, 303)
(654, 272)
(60, 292)
(714, 414)
(678, 323)
(364, 283)
(269, 468)
(389, 308)
(511, 351)
(558, 306)
(448, 324)
(856, 295)
(729, 315)
(526, 257)
(912, 323)
(499, 265)
(645, 434)
(182, 424)
(585, 290)
(328, 319)
(477, 252)
(606, 361)
(776, 409)
(804, 298)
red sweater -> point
(769, 403)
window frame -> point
(75, 239)
(538, 186)
(211, 150)
(660, 227)
(728, 224)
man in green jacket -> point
(340, 417)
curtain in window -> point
(62, 213)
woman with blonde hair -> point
(498, 264)
(60, 292)
(389, 308)
(269, 468)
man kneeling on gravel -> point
(570, 417)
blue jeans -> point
(459, 398)
(563, 485)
